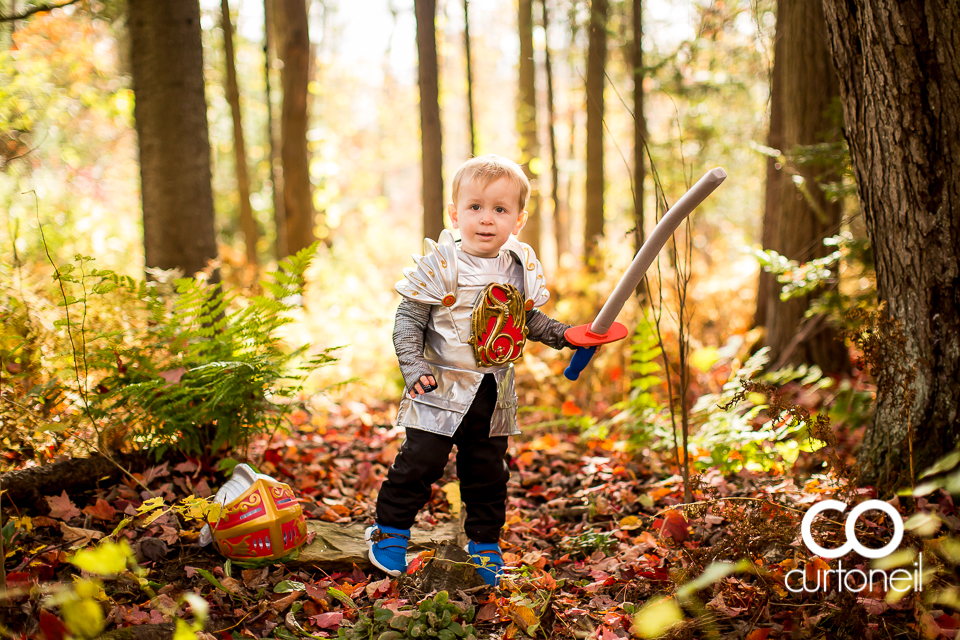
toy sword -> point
(587, 337)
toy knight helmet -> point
(260, 518)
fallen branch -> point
(43, 8)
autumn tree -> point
(428, 76)
(471, 121)
(640, 121)
(560, 228)
(293, 50)
(276, 175)
(798, 214)
(596, 65)
(900, 84)
(171, 120)
(527, 122)
(247, 224)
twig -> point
(43, 8)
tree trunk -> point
(560, 226)
(800, 214)
(293, 49)
(247, 224)
(171, 119)
(431, 139)
(596, 63)
(466, 50)
(639, 123)
(900, 84)
(527, 123)
(276, 174)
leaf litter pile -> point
(597, 545)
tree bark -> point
(799, 214)
(596, 63)
(431, 138)
(171, 119)
(899, 69)
(293, 47)
(560, 226)
(527, 123)
(639, 123)
(247, 224)
(276, 173)
(471, 122)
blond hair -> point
(489, 168)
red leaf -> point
(101, 511)
(51, 627)
(758, 634)
(62, 506)
(329, 620)
(569, 408)
(673, 525)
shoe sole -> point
(366, 536)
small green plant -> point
(586, 544)
(435, 617)
(640, 411)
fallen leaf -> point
(283, 603)
(758, 634)
(452, 491)
(569, 408)
(524, 617)
(101, 511)
(673, 525)
(62, 506)
(172, 376)
(329, 620)
(77, 537)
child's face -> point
(487, 215)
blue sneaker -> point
(387, 548)
(489, 560)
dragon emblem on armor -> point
(498, 325)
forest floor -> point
(593, 533)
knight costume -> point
(463, 317)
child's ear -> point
(522, 220)
(452, 210)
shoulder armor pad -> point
(434, 278)
(534, 285)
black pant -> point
(480, 466)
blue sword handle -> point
(578, 362)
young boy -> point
(467, 309)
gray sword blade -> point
(651, 247)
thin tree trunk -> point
(466, 50)
(639, 124)
(247, 224)
(775, 184)
(802, 216)
(171, 119)
(431, 138)
(527, 123)
(276, 173)
(900, 84)
(596, 63)
(559, 213)
(294, 52)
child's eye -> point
(501, 210)
(475, 207)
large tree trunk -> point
(276, 174)
(431, 139)
(247, 224)
(596, 63)
(471, 122)
(560, 227)
(899, 69)
(639, 124)
(171, 118)
(800, 214)
(293, 48)
(527, 123)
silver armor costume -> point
(433, 327)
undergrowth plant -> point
(169, 363)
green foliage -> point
(728, 421)
(435, 617)
(586, 544)
(642, 407)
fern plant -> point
(210, 369)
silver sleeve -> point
(408, 339)
(545, 329)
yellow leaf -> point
(150, 505)
(84, 618)
(523, 617)
(108, 558)
(704, 358)
(630, 522)
(452, 491)
(184, 631)
(658, 615)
